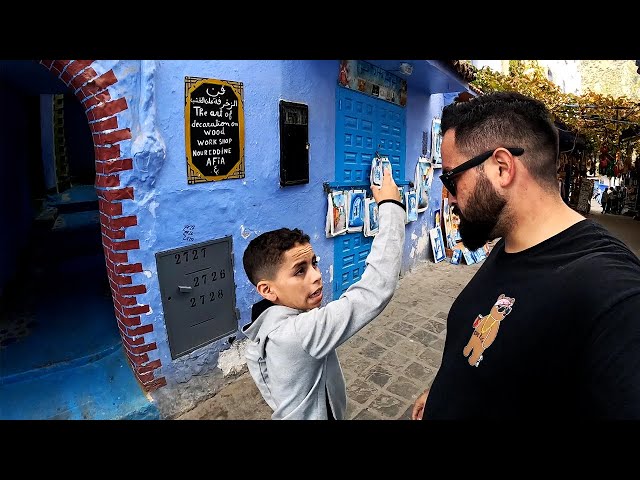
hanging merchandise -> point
(371, 222)
(355, 203)
(336, 213)
(610, 172)
(378, 164)
(604, 163)
(436, 143)
(422, 181)
(411, 202)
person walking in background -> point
(613, 201)
(604, 199)
(523, 340)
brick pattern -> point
(93, 92)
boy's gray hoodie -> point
(292, 353)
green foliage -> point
(600, 119)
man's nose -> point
(316, 274)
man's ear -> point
(264, 289)
(506, 166)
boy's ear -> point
(264, 289)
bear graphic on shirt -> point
(486, 329)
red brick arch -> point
(92, 90)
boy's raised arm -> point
(321, 330)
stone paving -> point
(394, 358)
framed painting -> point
(455, 225)
(337, 212)
(355, 200)
(436, 218)
(371, 220)
(436, 143)
(423, 179)
(455, 256)
(437, 244)
(411, 203)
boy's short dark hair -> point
(263, 255)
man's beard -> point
(480, 221)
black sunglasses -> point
(447, 177)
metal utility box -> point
(198, 294)
(294, 143)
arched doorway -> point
(71, 345)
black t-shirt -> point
(558, 328)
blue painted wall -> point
(243, 208)
(46, 141)
(15, 208)
(247, 207)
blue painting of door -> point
(364, 125)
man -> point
(532, 336)
(604, 200)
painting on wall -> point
(455, 256)
(436, 218)
(474, 256)
(337, 213)
(436, 143)
(378, 165)
(411, 203)
(355, 200)
(373, 81)
(423, 179)
(450, 233)
(437, 244)
(455, 225)
(467, 256)
(479, 254)
(371, 220)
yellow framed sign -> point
(214, 129)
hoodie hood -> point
(266, 316)
(259, 307)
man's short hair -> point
(506, 119)
(263, 256)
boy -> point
(292, 351)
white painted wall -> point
(565, 74)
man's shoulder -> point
(604, 262)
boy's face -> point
(298, 283)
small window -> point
(294, 143)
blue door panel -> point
(364, 125)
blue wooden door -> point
(364, 125)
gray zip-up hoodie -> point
(292, 353)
